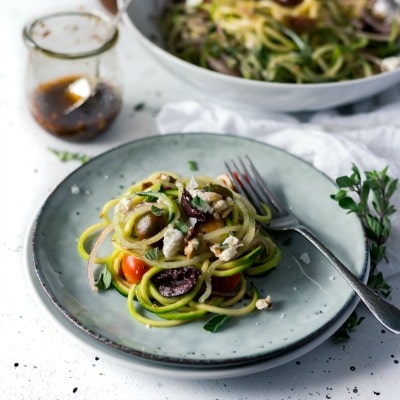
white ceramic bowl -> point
(286, 97)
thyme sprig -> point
(370, 198)
(65, 156)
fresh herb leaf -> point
(104, 279)
(343, 333)
(181, 226)
(378, 283)
(68, 156)
(198, 202)
(370, 200)
(193, 165)
(149, 197)
(158, 212)
(215, 323)
(369, 197)
(139, 106)
(153, 254)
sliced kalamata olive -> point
(301, 24)
(148, 225)
(189, 209)
(176, 281)
(376, 24)
(289, 3)
(222, 190)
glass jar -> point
(72, 76)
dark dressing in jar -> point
(73, 81)
(50, 103)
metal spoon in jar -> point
(85, 87)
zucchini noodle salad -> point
(287, 41)
(182, 249)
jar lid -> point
(71, 34)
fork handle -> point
(386, 313)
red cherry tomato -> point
(225, 284)
(133, 268)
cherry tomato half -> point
(133, 268)
(225, 284)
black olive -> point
(148, 225)
(289, 3)
(189, 209)
(176, 281)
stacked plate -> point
(310, 300)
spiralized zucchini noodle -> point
(182, 248)
(291, 41)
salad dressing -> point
(49, 102)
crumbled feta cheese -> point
(193, 3)
(192, 221)
(173, 241)
(192, 184)
(264, 304)
(123, 206)
(206, 207)
(391, 63)
(228, 249)
(165, 179)
(220, 206)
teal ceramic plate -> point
(310, 299)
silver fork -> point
(250, 184)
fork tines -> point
(248, 182)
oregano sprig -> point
(370, 198)
(65, 156)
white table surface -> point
(38, 359)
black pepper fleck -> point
(74, 390)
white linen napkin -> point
(329, 141)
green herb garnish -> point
(198, 202)
(343, 333)
(104, 279)
(158, 212)
(193, 165)
(68, 156)
(369, 198)
(181, 226)
(153, 254)
(215, 323)
(139, 106)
